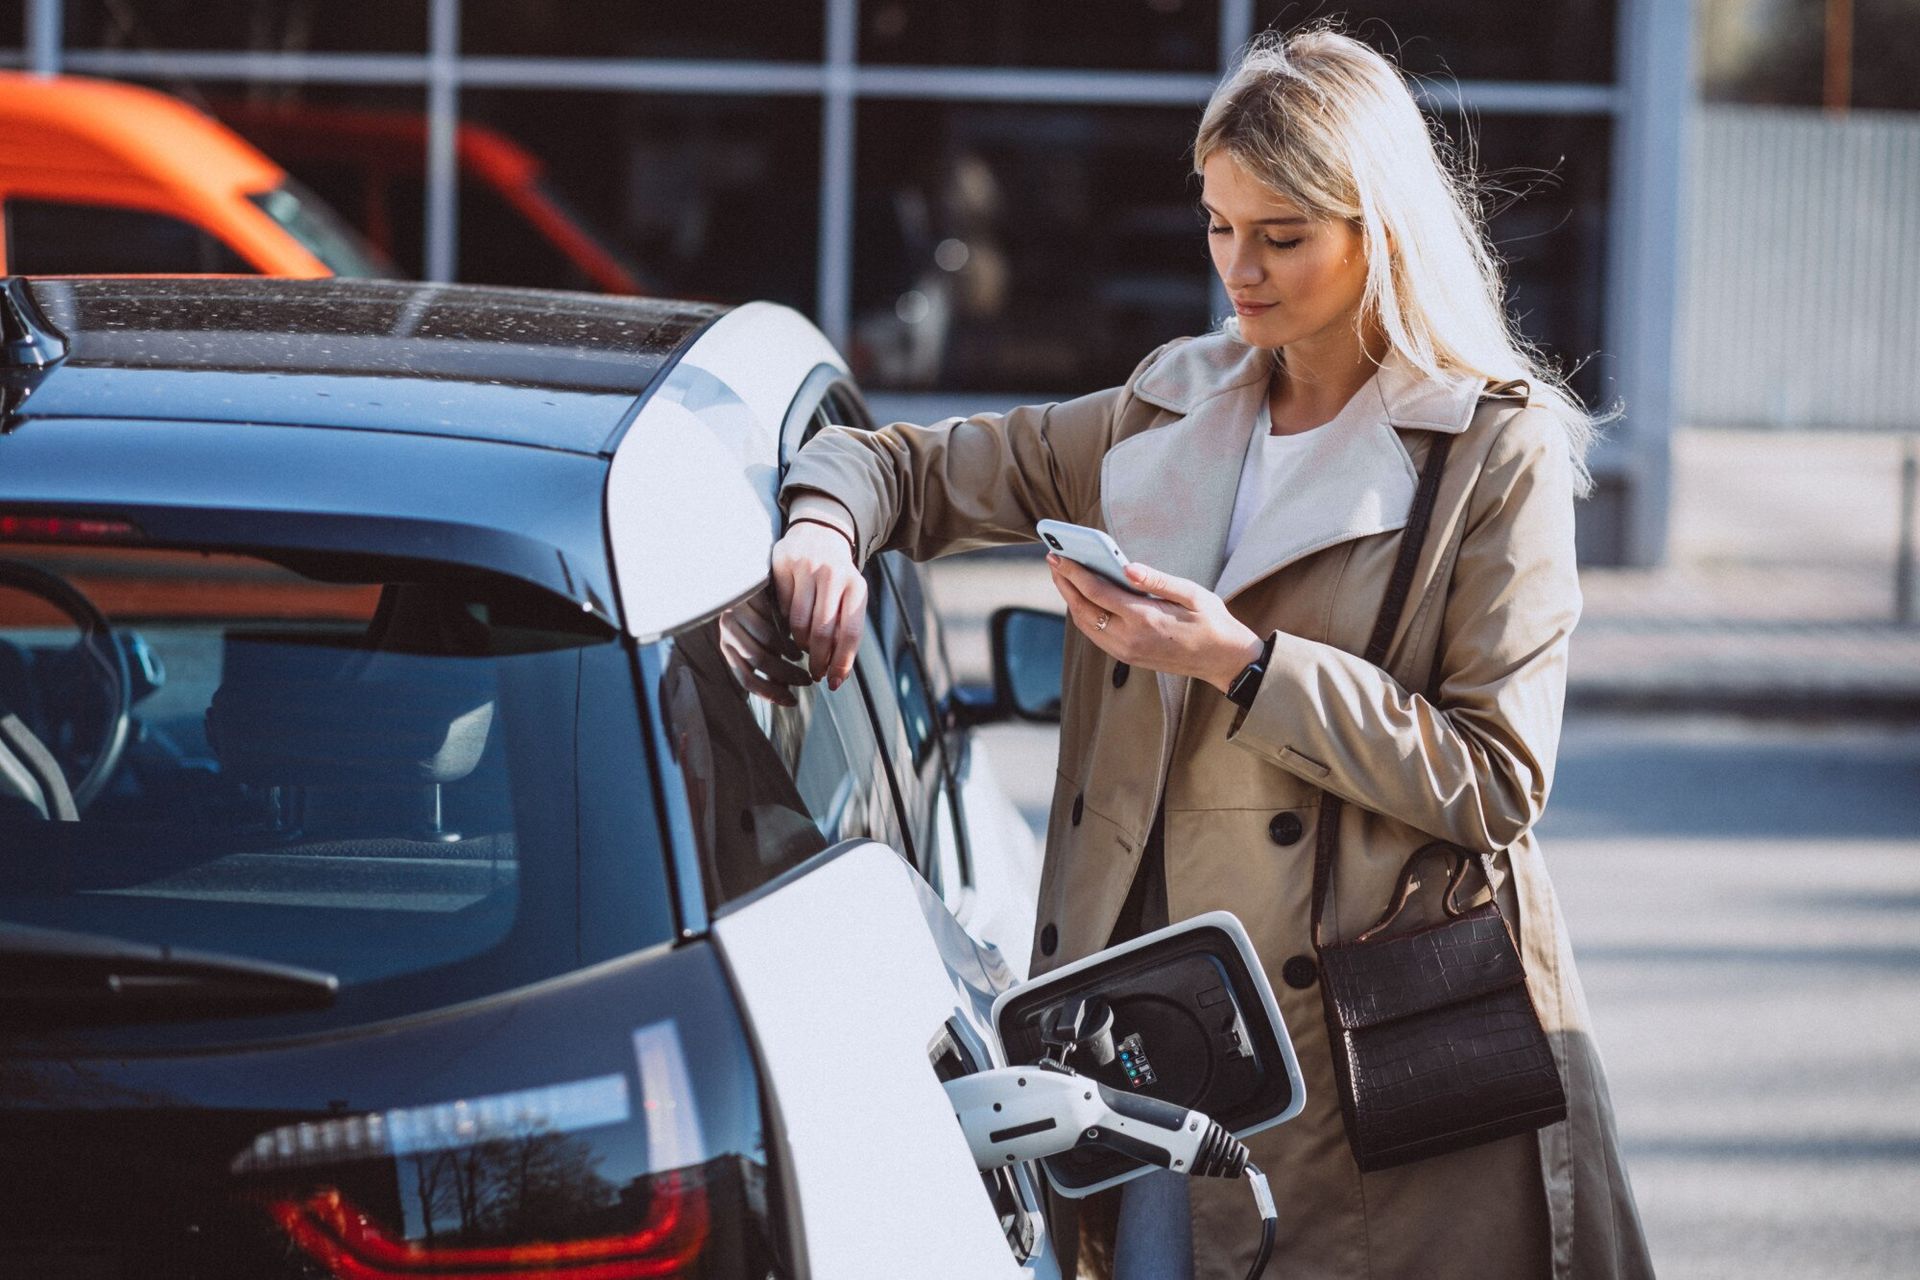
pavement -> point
(1777, 598)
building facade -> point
(981, 201)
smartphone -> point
(1089, 548)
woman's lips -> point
(1252, 308)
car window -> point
(768, 786)
(56, 237)
(922, 757)
(333, 762)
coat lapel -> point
(1169, 491)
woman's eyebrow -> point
(1292, 220)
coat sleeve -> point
(1475, 764)
(959, 484)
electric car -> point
(396, 878)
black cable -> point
(1269, 1220)
(1266, 1249)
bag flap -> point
(1457, 960)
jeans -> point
(1155, 1238)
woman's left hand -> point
(1185, 631)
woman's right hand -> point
(822, 596)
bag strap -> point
(1413, 539)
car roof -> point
(621, 453)
(540, 368)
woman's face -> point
(1291, 278)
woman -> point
(1259, 478)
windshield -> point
(427, 785)
(322, 232)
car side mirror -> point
(1028, 645)
(1184, 1014)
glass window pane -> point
(1474, 40)
(769, 786)
(51, 237)
(1022, 248)
(711, 198)
(273, 26)
(374, 770)
(1148, 35)
(756, 30)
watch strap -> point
(1246, 685)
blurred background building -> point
(983, 203)
(1710, 209)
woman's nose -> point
(1240, 265)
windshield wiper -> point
(67, 976)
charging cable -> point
(1269, 1219)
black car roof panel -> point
(521, 366)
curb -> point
(1888, 706)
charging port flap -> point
(1183, 1015)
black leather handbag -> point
(1436, 1044)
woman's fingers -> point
(1096, 588)
(750, 677)
(799, 603)
(748, 633)
(839, 617)
(1181, 591)
(759, 618)
(848, 630)
(814, 575)
(1084, 612)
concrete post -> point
(1654, 58)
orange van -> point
(516, 227)
(98, 177)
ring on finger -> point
(1100, 623)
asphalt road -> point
(1744, 900)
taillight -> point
(563, 1181)
(65, 529)
(332, 1231)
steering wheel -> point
(101, 655)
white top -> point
(1273, 463)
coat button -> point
(1285, 828)
(1120, 673)
(1079, 807)
(1298, 972)
(1049, 940)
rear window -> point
(410, 778)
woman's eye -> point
(1221, 229)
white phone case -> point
(1089, 548)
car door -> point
(985, 859)
(860, 990)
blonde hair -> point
(1329, 124)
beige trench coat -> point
(1156, 463)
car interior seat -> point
(358, 738)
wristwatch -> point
(1245, 685)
